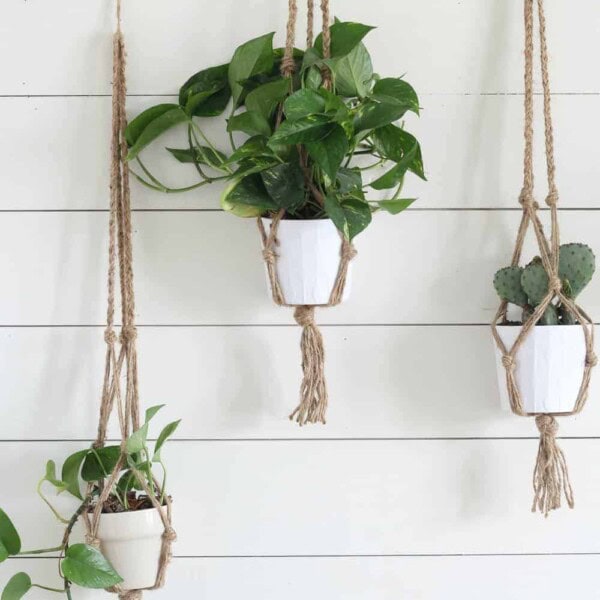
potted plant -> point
(124, 552)
(316, 124)
(550, 362)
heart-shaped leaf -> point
(303, 103)
(137, 440)
(300, 131)
(87, 567)
(349, 215)
(206, 93)
(395, 206)
(100, 462)
(329, 152)
(391, 90)
(249, 122)
(165, 434)
(395, 144)
(285, 185)
(353, 72)
(345, 36)
(70, 472)
(9, 537)
(247, 197)
(265, 98)
(18, 585)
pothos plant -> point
(83, 475)
(312, 136)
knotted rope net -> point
(551, 476)
(121, 353)
(313, 391)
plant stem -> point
(54, 511)
(231, 140)
(164, 482)
(167, 190)
(45, 587)
(40, 551)
(210, 145)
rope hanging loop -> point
(551, 475)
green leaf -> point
(251, 58)
(165, 434)
(247, 197)
(313, 78)
(9, 537)
(136, 126)
(349, 179)
(100, 462)
(50, 476)
(345, 36)
(156, 128)
(395, 206)
(285, 185)
(353, 72)
(204, 155)
(18, 585)
(151, 412)
(70, 472)
(249, 122)
(137, 440)
(306, 129)
(256, 146)
(206, 93)
(3, 552)
(264, 99)
(302, 104)
(87, 567)
(374, 114)
(349, 215)
(392, 90)
(250, 166)
(394, 143)
(329, 152)
(128, 482)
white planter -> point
(308, 259)
(132, 541)
(548, 367)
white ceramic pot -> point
(132, 541)
(308, 259)
(548, 367)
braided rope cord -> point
(551, 476)
(120, 253)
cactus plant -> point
(527, 287)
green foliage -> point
(18, 585)
(87, 567)
(304, 138)
(529, 286)
(10, 542)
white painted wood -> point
(471, 146)
(478, 44)
(345, 497)
(199, 268)
(242, 382)
(409, 578)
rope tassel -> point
(313, 391)
(551, 474)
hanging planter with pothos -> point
(307, 130)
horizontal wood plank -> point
(242, 382)
(471, 144)
(480, 52)
(410, 578)
(206, 268)
(353, 497)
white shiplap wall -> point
(418, 487)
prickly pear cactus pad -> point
(576, 266)
(507, 282)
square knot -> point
(552, 198)
(508, 361)
(591, 360)
(555, 284)
(269, 256)
(129, 334)
(526, 200)
(90, 540)
(170, 535)
(348, 251)
(110, 337)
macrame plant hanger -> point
(551, 475)
(313, 391)
(122, 363)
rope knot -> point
(90, 540)
(552, 198)
(129, 333)
(555, 284)
(348, 251)
(547, 425)
(131, 595)
(170, 535)
(526, 199)
(591, 360)
(304, 315)
(508, 361)
(288, 66)
(110, 337)
(269, 255)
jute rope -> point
(127, 404)
(551, 475)
(313, 391)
